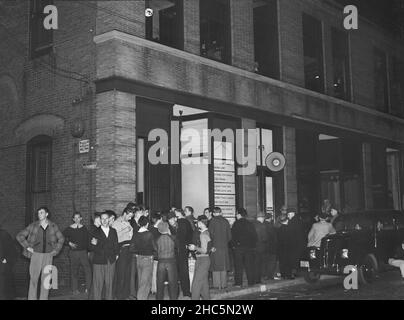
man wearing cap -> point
(262, 246)
(167, 266)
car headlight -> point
(344, 254)
(313, 254)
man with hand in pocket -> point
(41, 240)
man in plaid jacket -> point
(41, 240)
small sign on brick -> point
(84, 146)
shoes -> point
(277, 278)
(76, 292)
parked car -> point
(364, 240)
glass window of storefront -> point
(330, 167)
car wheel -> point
(312, 276)
(367, 271)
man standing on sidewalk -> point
(184, 238)
(41, 240)
(144, 247)
(138, 212)
(124, 264)
(220, 233)
(262, 246)
(106, 250)
(167, 266)
(77, 238)
(244, 239)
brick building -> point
(330, 100)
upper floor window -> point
(165, 25)
(266, 47)
(340, 55)
(313, 54)
(397, 86)
(381, 81)
(41, 40)
(215, 29)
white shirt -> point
(318, 231)
(106, 230)
(123, 229)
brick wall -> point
(116, 150)
(41, 91)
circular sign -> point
(275, 161)
(148, 12)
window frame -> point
(36, 17)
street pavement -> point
(388, 286)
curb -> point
(263, 288)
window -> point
(340, 49)
(313, 54)
(385, 177)
(393, 179)
(140, 174)
(266, 47)
(41, 39)
(265, 176)
(214, 29)
(39, 175)
(397, 86)
(166, 24)
(341, 172)
(380, 80)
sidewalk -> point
(229, 293)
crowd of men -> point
(139, 253)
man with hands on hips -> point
(41, 240)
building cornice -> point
(141, 42)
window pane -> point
(41, 39)
(266, 48)
(214, 29)
(313, 53)
(194, 137)
(269, 197)
(165, 25)
(380, 78)
(195, 185)
(267, 143)
(379, 176)
(42, 169)
(397, 86)
(340, 64)
(393, 179)
(140, 171)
